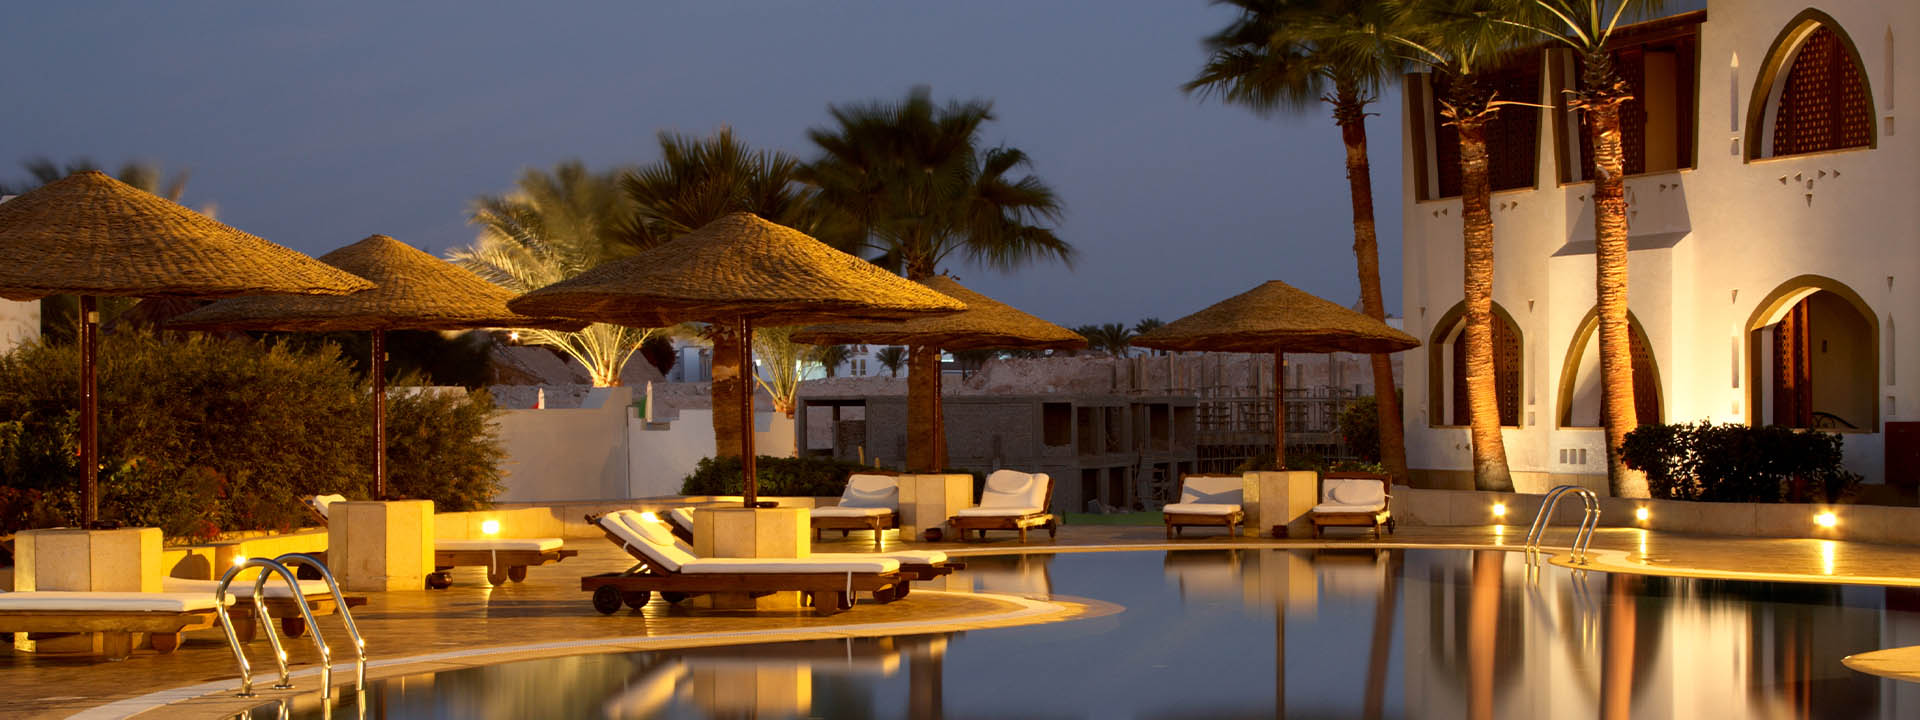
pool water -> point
(1261, 633)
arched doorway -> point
(1447, 369)
(1582, 395)
(1813, 358)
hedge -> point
(208, 435)
(1739, 463)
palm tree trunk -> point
(1602, 104)
(1476, 214)
(1350, 113)
(729, 380)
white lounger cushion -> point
(276, 587)
(534, 544)
(115, 602)
(681, 516)
(1353, 491)
(1187, 508)
(320, 503)
(999, 511)
(1211, 490)
(906, 557)
(844, 511)
(770, 566)
(871, 491)
(1345, 508)
(1011, 490)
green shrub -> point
(1738, 463)
(205, 435)
(793, 477)
(442, 446)
(1360, 429)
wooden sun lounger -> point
(507, 562)
(1177, 520)
(1020, 523)
(282, 608)
(859, 488)
(1376, 519)
(827, 591)
(914, 565)
(119, 628)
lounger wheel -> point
(901, 590)
(1053, 529)
(517, 573)
(886, 594)
(636, 599)
(439, 580)
(673, 598)
(164, 643)
(496, 576)
(606, 599)
(294, 626)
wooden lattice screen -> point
(1506, 374)
(1646, 387)
(1793, 369)
(1823, 105)
(1513, 137)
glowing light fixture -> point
(1641, 514)
(1499, 510)
(1826, 519)
(650, 517)
(239, 560)
(490, 527)
(513, 336)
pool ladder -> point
(1581, 539)
(280, 567)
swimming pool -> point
(1246, 633)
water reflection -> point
(1266, 633)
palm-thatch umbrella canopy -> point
(985, 324)
(1277, 318)
(413, 291)
(90, 235)
(735, 272)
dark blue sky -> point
(317, 124)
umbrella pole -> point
(750, 481)
(1279, 410)
(939, 418)
(89, 413)
(379, 414)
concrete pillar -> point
(124, 560)
(381, 546)
(926, 501)
(1280, 498)
(738, 532)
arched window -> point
(1447, 368)
(1814, 352)
(1812, 94)
(1582, 402)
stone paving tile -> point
(550, 607)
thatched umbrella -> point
(90, 235)
(1278, 318)
(985, 324)
(413, 291)
(736, 272)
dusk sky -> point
(315, 125)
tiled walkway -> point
(550, 608)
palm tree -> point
(914, 179)
(1111, 338)
(775, 349)
(553, 226)
(1290, 55)
(697, 181)
(831, 357)
(1462, 40)
(892, 357)
(1587, 26)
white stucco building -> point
(1775, 241)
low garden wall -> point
(1859, 523)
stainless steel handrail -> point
(340, 606)
(1583, 537)
(265, 621)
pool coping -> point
(213, 700)
(1897, 663)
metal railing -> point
(278, 567)
(1581, 538)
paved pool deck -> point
(471, 624)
